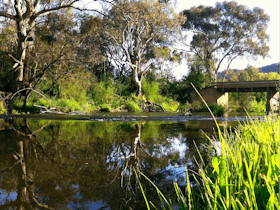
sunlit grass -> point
(245, 176)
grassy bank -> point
(116, 103)
(245, 176)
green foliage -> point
(105, 108)
(253, 102)
(67, 105)
(17, 104)
(197, 76)
(103, 92)
(217, 110)
(245, 176)
(75, 88)
(181, 90)
(251, 74)
(131, 106)
(168, 104)
(217, 31)
(150, 90)
(256, 106)
(45, 84)
(196, 105)
(2, 108)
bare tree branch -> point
(7, 15)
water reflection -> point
(52, 164)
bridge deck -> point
(247, 86)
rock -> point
(188, 114)
(274, 103)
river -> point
(86, 162)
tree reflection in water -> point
(73, 164)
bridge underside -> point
(219, 92)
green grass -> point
(245, 176)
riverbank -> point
(117, 104)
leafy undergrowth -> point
(130, 103)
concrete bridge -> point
(218, 92)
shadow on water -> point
(50, 163)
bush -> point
(2, 108)
(103, 92)
(256, 106)
(150, 90)
(170, 105)
(105, 108)
(131, 106)
(66, 105)
(75, 88)
(217, 110)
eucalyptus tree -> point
(140, 33)
(25, 17)
(226, 32)
(92, 51)
(25, 14)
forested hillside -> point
(265, 69)
(270, 68)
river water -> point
(87, 162)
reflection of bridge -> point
(218, 92)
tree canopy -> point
(225, 32)
(140, 33)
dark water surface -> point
(86, 162)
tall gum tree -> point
(140, 32)
(25, 15)
(226, 32)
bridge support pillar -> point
(270, 93)
(212, 96)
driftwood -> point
(148, 106)
(45, 109)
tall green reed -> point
(245, 176)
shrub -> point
(72, 90)
(105, 108)
(170, 105)
(67, 105)
(131, 106)
(2, 108)
(217, 110)
(256, 106)
(150, 90)
(103, 92)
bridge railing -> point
(244, 84)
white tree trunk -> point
(137, 80)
